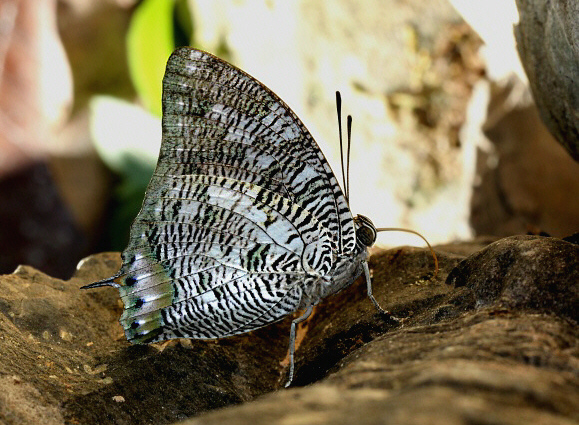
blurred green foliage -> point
(156, 28)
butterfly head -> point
(365, 230)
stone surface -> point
(548, 43)
(525, 177)
(505, 274)
(483, 368)
(491, 339)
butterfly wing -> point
(242, 213)
(212, 256)
(238, 128)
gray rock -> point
(494, 342)
(548, 43)
(525, 273)
(525, 180)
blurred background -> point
(446, 137)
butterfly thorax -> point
(346, 266)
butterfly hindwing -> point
(216, 250)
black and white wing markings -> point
(236, 304)
(223, 157)
(201, 90)
(186, 233)
(284, 222)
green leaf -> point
(127, 139)
(123, 133)
(149, 44)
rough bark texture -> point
(492, 339)
(548, 43)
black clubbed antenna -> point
(339, 110)
(349, 130)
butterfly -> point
(243, 221)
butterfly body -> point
(243, 221)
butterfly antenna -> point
(339, 110)
(349, 130)
(398, 229)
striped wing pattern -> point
(243, 216)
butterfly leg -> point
(369, 288)
(292, 342)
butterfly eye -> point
(365, 231)
(365, 236)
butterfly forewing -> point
(205, 94)
(242, 216)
